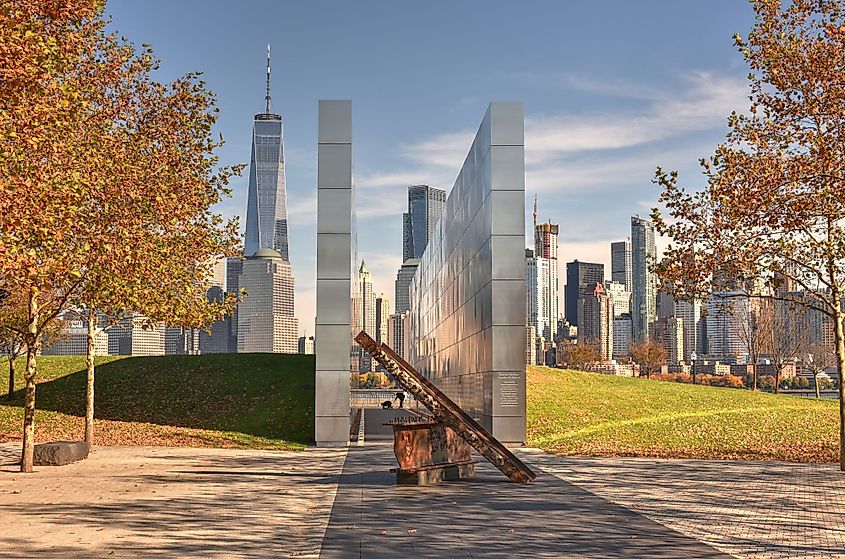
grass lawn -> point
(573, 412)
(225, 400)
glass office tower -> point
(425, 204)
(266, 212)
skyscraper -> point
(595, 319)
(425, 204)
(728, 313)
(382, 314)
(403, 281)
(644, 283)
(579, 275)
(620, 263)
(669, 332)
(234, 267)
(266, 211)
(266, 321)
(134, 335)
(536, 293)
(621, 298)
(364, 313)
(216, 339)
(545, 247)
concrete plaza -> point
(215, 503)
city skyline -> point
(596, 125)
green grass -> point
(267, 401)
(229, 400)
(573, 412)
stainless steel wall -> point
(335, 251)
(468, 295)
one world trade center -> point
(266, 211)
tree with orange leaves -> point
(772, 212)
(107, 179)
(649, 355)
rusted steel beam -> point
(447, 411)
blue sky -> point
(611, 90)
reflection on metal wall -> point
(335, 255)
(468, 296)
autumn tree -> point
(108, 177)
(753, 329)
(12, 324)
(772, 210)
(41, 223)
(788, 335)
(154, 253)
(817, 357)
(581, 356)
(649, 355)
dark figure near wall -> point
(401, 397)
(387, 405)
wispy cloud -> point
(303, 210)
(586, 149)
(703, 105)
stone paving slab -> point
(759, 510)
(487, 517)
(169, 502)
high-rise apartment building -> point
(621, 297)
(695, 334)
(620, 263)
(579, 275)
(425, 204)
(382, 314)
(727, 316)
(621, 336)
(530, 344)
(644, 283)
(266, 211)
(545, 248)
(537, 294)
(595, 319)
(669, 331)
(134, 335)
(398, 327)
(403, 282)
(266, 321)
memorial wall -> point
(335, 258)
(467, 297)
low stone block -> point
(60, 453)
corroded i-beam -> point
(446, 411)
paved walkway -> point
(486, 517)
(213, 503)
(761, 510)
(169, 502)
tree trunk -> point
(11, 395)
(89, 387)
(777, 378)
(754, 377)
(816, 383)
(29, 378)
(839, 336)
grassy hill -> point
(237, 400)
(267, 401)
(586, 413)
